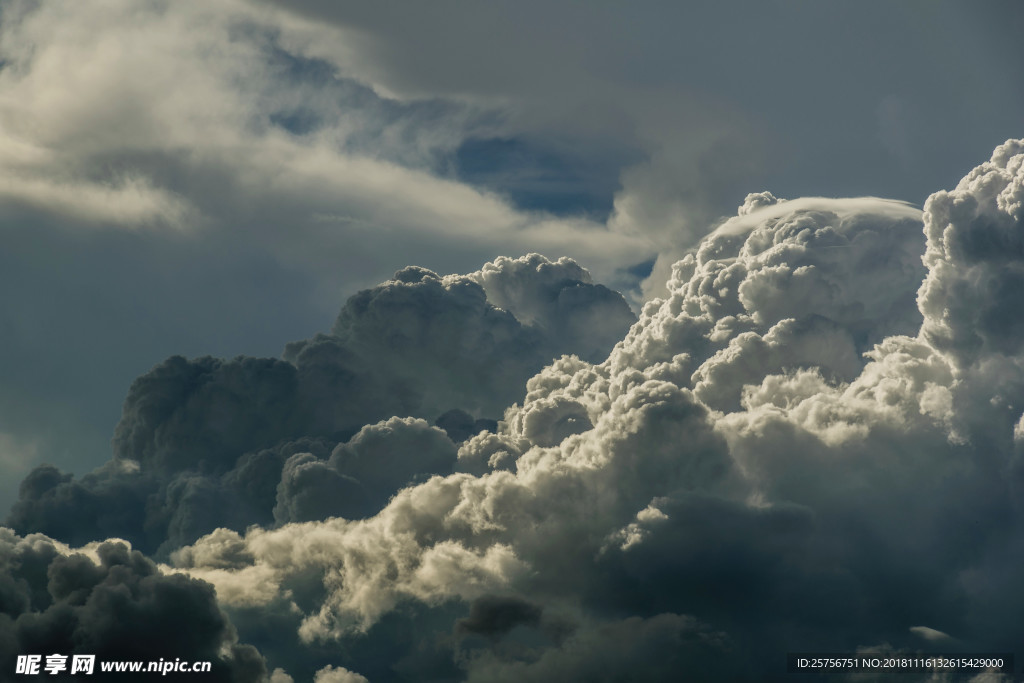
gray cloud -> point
(702, 130)
(112, 602)
(362, 474)
(656, 649)
(206, 178)
(799, 443)
(975, 247)
(187, 180)
(207, 442)
(732, 483)
(495, 615)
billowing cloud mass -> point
(112, 602)
(214, 178)
(196, 177)
(206, 443)
(812, 443)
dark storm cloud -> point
(661, 648)
(460, 425)
(421, 344)
(364, 473)
(207, 442)
(734, 482)
(809, 440)
(112, 602)
(204, 413)
(496, 615)
(188, 179)
(104, 503)
(198, 178)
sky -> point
(510, 340)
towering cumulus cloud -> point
(813, 442)
(206, 443)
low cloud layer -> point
(109, 601)
(812, 442)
